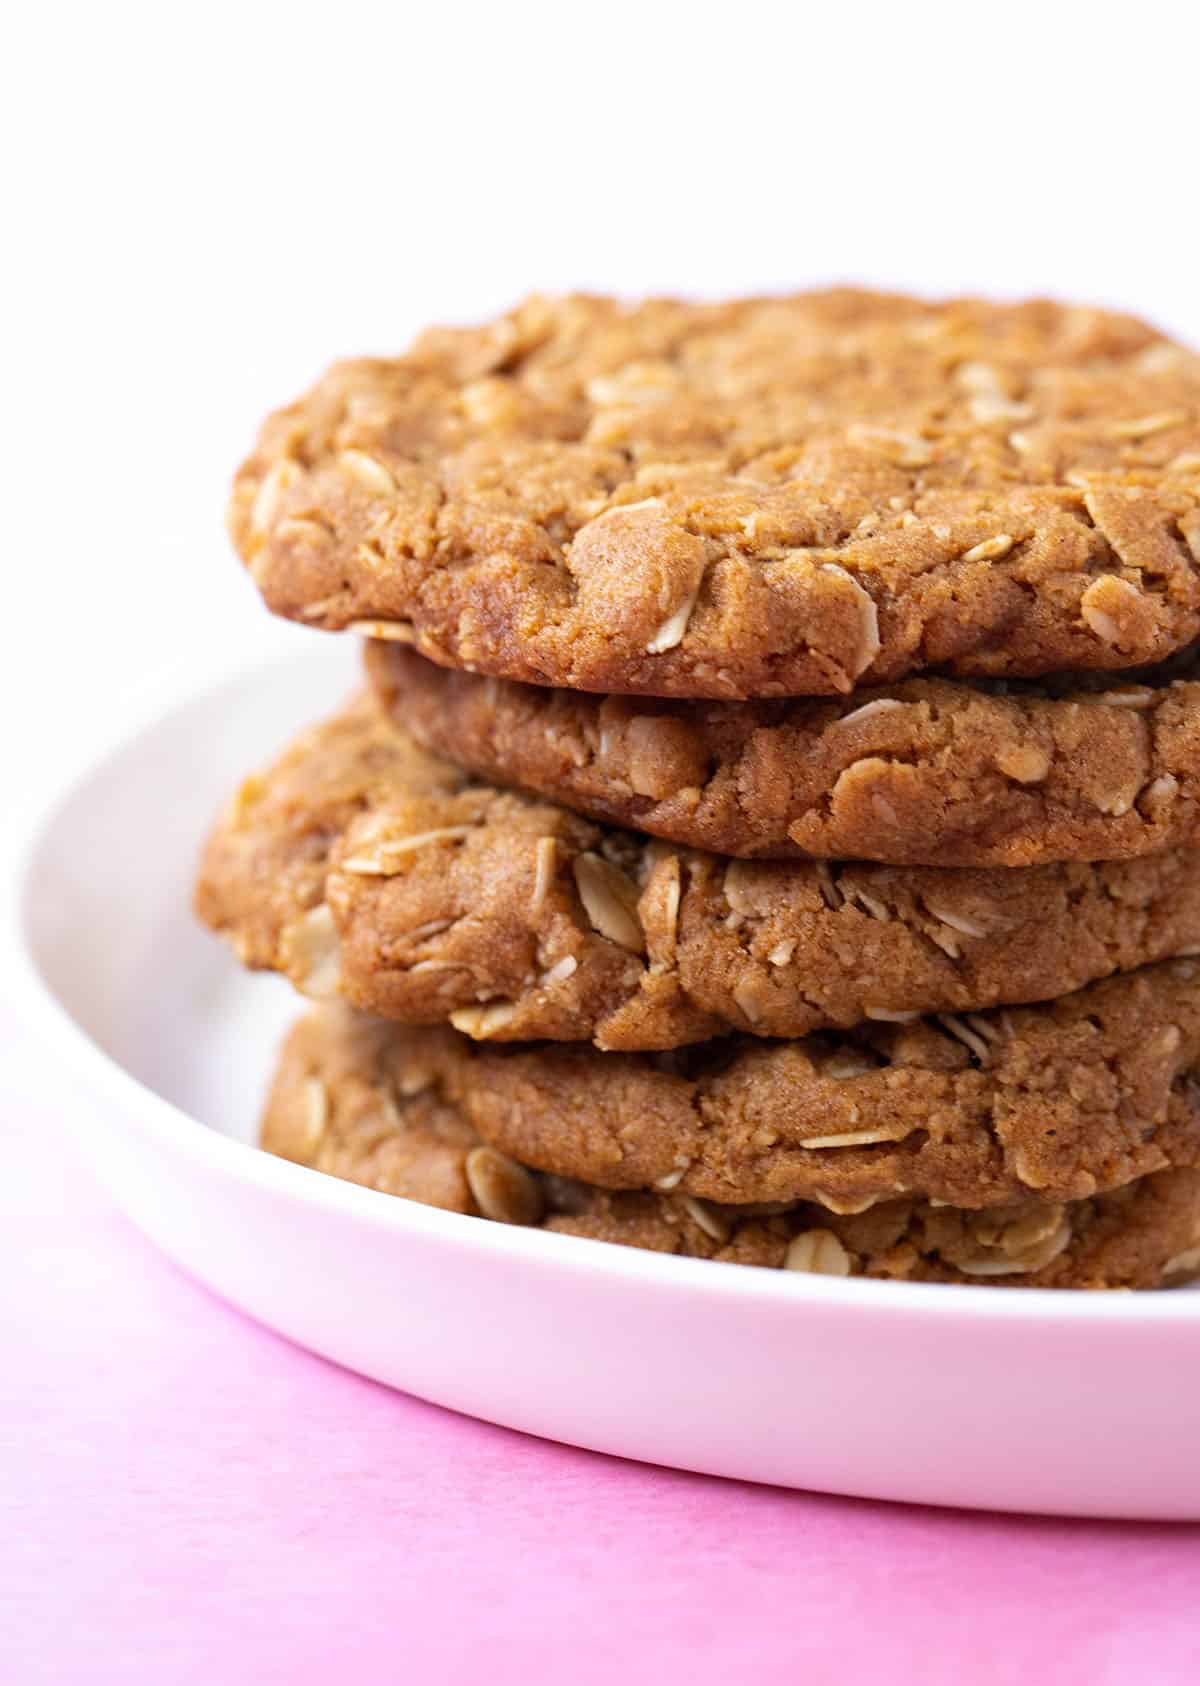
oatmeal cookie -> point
(360, 865)
(767, 497)
(927, 772)
(347, 1101)
(1064, 1101)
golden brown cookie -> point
(768, 497)
(1063, 1101)
(928, 772)
(348, 1100)
(362, 866)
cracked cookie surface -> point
(359, 864)
(767, 497)
(355, 1099)
(925, 772)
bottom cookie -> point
(334, 1106)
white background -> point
(208, 203)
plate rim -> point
(37, 1003)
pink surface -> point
(185, 1498)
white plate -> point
(1006, 1398)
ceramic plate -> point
(1008, 1398)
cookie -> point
(768, 497)
(928, 772)
(346, 1101)
(361, 865)
(1063, 1101)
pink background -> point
(185, 1498)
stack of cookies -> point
(768, 830)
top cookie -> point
(767, 497)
